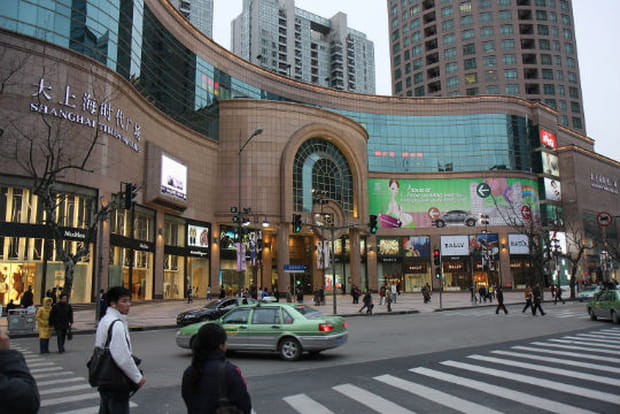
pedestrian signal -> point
(372, 224)
(296, 223)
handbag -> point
(224, 405)
(69, 334)
(103, 371)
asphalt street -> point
(464, 360)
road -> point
(463, 361)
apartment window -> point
(545, 59)
(419, 91)
(397, 74)
(449, 53)
(397, 60)
(447, 26)
(512, 89)
(468, 34)
(563, 120)
(511, 74)
(572, 77)
(485, 4)
(415, 24)
(541, 3)
(559, 75)
(469, 49)
(558, 60)
(453, 82)
(416, 36)
(490, 75)
(486, 31)
(417, 50)
(568, 35)
(449, 39)
(541, 15)
(492, 90)
(543, 29)
(551, 102)
(508, 44)
(563, 106)
(469, 63)
(418, 63)
(574, 107)
(471, 78)
(503, 2)
(554, 31)
(510, 59)
(467, 20)
(564, 5)
(573, 92)
(408, 82)
(561, 91)
(398, 87)
(553, 17)
(452, 67)
(577, 123)
(506, 29)
(418, 77)
(408, 68)
(486, 17)
(544, 44)
(505, 15)
(565, 20)
(547, 74)
(548, 89)
(447, 11)
(465, 7)
(472, 91)
(571, 62)
(490, 60)
(488, 46)
(556, 45)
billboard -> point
(548, 139)
(173, 178)
(197, 236)
(518, 244)
(550, 164)
(553, 190)
(454, 202)
(455, 245)
(416, 246)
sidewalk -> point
(162, 314)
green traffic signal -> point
(372, 225)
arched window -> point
(319, 165)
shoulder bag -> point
(224, 405)
(103, 371)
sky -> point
(597, 25)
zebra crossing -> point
(514, 311)
(551, 375)
(61, 391)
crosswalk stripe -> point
(65, 389)
(436, 396)
(64, 380)
(41, 364)
(587, 365)
(612, 332)
(51, 374)
(599, 336)
(370, 400)
(497, 391)
(548, 369)
(94, 409)
(566, 353)
(571, 341)
(553, 385)
(69, 398)
(597, 340)
(575, 348)
(54, 368)
(306, 405)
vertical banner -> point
(240, 257)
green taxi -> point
(606, 304)
(286, 328)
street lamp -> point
(238, 218)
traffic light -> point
(436, 257)
(372, 224)
(296, 223)
(131, 190)
(438, 273)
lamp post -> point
(239, 220)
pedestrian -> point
(102, 305)
(483, 293)
(190, 292)
(389, 303)
(558, 296)
(499, 294)
(222, 292)
(209, 293)
(317, 297)
(27, 298)
(491, 293)
(382, 293)
(17, 386)
(119, 304)
(43, 324)
(210, 372)
(537, 293)
(528, 298)
(394, 292)
(300, 295)
(367, 303)
(322, 295)
(61, 318)
(355, 295)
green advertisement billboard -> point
(454, 202)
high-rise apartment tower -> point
(198, 12)
(284, 39)
(525, 48)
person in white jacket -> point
(119, 303)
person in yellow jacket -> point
(45, 328)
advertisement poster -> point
(455, 245)
(551, 164)
(484, 243)
(173, 178)
(197, 236)
(416, 246)
(456, 202)
(553, 190)
(518, 244)
(388, 247)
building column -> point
(283, 258)
(355, 260)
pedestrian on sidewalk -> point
(558, 296)
(382, 293)
(190, 293)
(394, 292)
(537, 293)
(61, 317)
(499, 294)
(528, 298)
(367, 301)
(43, 324)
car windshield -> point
(212, 304)
(308, 312)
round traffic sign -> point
(483, 190)
(604, 219)
(433, 213)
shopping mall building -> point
(218, 147)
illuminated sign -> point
(455, 245)
(197, 236)
(548, 139)
(550, 164)
(553, 190)
(518, 244)
(173, 178)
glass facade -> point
(126, 36)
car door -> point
(599, 302)
(235, 323)
(264, 328)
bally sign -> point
(454, 245)
(518, 244)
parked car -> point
(606, 304)
(460, 217)
(211, 310)
(588, 293)
(288, 329)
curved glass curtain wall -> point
(125, 36)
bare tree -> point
(575, 253)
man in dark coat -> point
(18, 390)
(27, 298)
(537, 293)
(61, 319)
(499, 294)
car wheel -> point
(614, 317)
(470, 222)
(290, 349)
(440, 223)
(592, 315)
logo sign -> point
(526, 213)
(483, 190)
(294, 268)
(455, 245)
(548, 139)
(518, 244)
(604, 219)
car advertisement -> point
(455, 202)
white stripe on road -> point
(600, 336)
(40, 364)
(597, 340)
(576, 348)
(549, 370)
(51, 374)
(56, 381)
(65, 389)
(587, 365)
(93, 410)
(496, 391)
(527, 379)
(70, 398)
(436, 396)
(305, 405)
(370, 400)
(569, 354)
(594, 344)
(611, 331)
(38, 370)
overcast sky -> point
(597, 25)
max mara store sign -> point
(86, 111)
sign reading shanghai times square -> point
(86, 111)
(457, 202)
